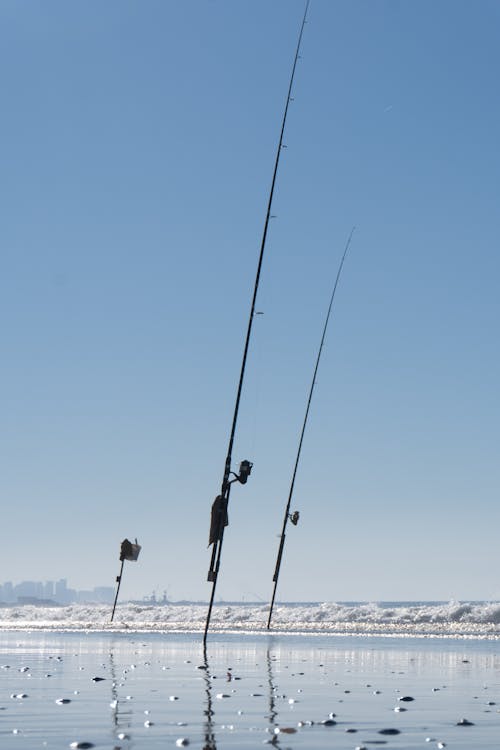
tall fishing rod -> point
(219, 518)
(294, 517)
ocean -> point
(386, 619)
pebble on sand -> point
(63, 701)
(81, 745)
(465, 723)
(182, 742)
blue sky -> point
(138, 141)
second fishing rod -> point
(294, 517)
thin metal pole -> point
(118, 580)
(313, 383)
(225, 490)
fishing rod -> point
(294, 517)
(219, 519)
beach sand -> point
(158, 691)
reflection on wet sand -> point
(121, 717)
(208, 724)
(273, 713)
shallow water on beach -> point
(156, 690)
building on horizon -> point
(38, 593)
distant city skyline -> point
(32, 592)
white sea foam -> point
(455, 619)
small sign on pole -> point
(128, 551)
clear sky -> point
(138, 141)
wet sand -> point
(159, 691)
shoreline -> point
(345, 633)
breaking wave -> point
(451, 620)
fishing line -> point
(255, 412)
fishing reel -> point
(294, 517)
(245, 471)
